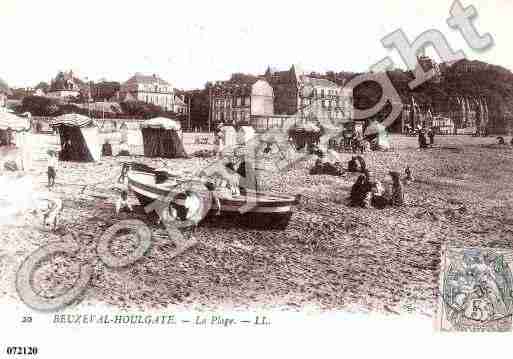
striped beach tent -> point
(15, 123)
(72, 120)
(79, 138)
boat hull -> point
(267, 210)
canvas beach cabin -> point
(378, 132)
(15, 144)
(161, 138)
(80, 138)
(305, 135)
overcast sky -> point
(190, 42)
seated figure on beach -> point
(327, 164)
(395, 191)
(334, 167)
(409, 175)
(378, 196)
(356, 164)
(360, 192)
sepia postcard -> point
(255, 179)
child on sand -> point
(122, 201)
(409, 175)
(52, 167)
(395, 193)
(215, 199)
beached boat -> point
(266, 209)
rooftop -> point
(318, 82)
(140, 78)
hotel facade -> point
(152, 89)
(236, 102)
(309, 97)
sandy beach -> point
(331, 256)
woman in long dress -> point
(220, 141)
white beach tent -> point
(162, 123)
(19, 129)
(229, 136)
(383, 140)
(245, 134)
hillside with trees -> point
(493, 83)
(51, 107)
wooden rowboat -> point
(255, 209)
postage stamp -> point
(476, 290)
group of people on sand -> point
(368, 191)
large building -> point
(104, 90)
(298, 94)
(237, 100)
(152, 89)
(66, 85)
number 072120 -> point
(14, 350)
